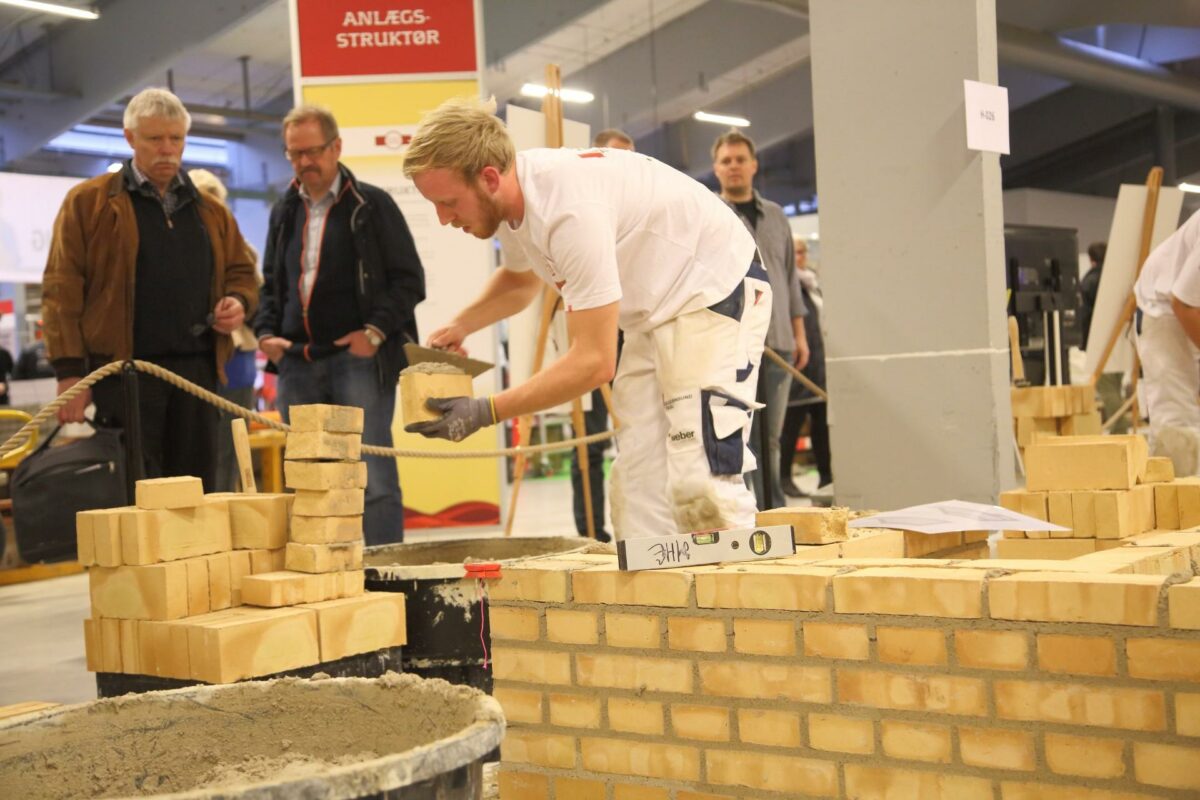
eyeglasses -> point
(311, 152)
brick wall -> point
(851, 678)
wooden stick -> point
(796, 374)
(581, 453)
(1014, 347)
(1153, 184)
(241, 448)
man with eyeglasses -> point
(342, 283)
(143, 266)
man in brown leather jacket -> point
(143, 266)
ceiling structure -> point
(1099, 89)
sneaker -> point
(601, 536)
(792, 490)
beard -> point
(490, 215)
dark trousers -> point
(178, 430)
(818, 433)
(594, 421)
(343, 379)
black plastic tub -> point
(447, 631)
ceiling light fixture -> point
(1190, 187)
(722, 119)
(567, 95)
(53, 8)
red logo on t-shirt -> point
(559, 284)
(592, 154)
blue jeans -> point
(347, 380)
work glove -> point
(461, 416)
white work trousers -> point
(684, 396)
(1172, 384)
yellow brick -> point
(1184, 605)
(197, 586)
(364, 624)
(634, 672)
(633, 630)
(912, 591)
(542, 581)
(992, 649)
(520, 624)
(701, 634)
(1058, 506)
(1083, 515)
(1166, 506)
(544, 749)
(610, 586)
(795, 588)
(1166, 765)
(572, 627)
(647, 759)
(1076, 655)
(635, 716)
(329, 503)
(921, 545)
(1070, 463)
(240, 643)
(1011, 790)
(574, 710)
(1159, 469)
(810, 525)
(179, 492)
(705, 723)
(941, 693)
(1044, 548)
(686, 795)
(765, 681)
(322, 475)
(220, 591)
(996, 748)
(770, 728)
(879, 783)
(637, 791)
(520, 705)
(153, 591)
(130, 650)
(515, 785)
(575, 788)
(149, 536)
(914, 741)
(323, 446)
(323, 417)
(92, 647)
(1164, 659)
(924, 646)
(1187, 714)
(1028, 426)
(85, 539)
(772, 773)
(283, 588)
(764, 637)
(1085, 756)
(257, 520)
(834, 640)
(1031, 504)
(1116, 517)
(840, 734)
(325, 530)
(531, 666)
(1073, 704)
(1062, 597)
(417, 387)
(107, 537)
(323, 557)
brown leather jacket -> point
(87, 290)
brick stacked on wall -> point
(842, 678)
(1053, 410)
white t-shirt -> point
(1172, 268)
(606, 225)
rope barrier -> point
(27, 430)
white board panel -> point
(28, 207)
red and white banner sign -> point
(385, 37)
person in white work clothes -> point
(1168, 343)
(628, 242)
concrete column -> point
(912, 253)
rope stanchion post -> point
(134, 463)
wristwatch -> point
(374, 338)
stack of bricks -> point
(1103, 489)
(879, 678)
(324, 551)
(1054, 410)
(826, 532)
(206, 588)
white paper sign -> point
(951, 516)
(987, 117)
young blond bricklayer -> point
(852, 678)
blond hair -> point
(307, 113)
(155, 102)
(462, 134)
(210, 184)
